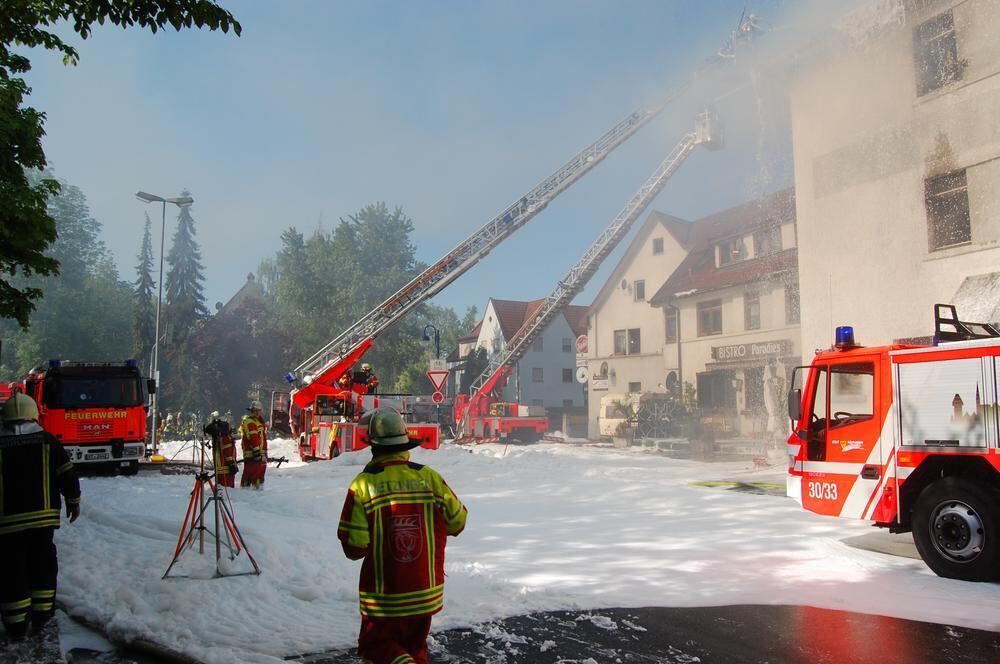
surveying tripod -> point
(194, 524)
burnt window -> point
(639, 290)
(947, 200)
(657, 246)
(792, 306)
(670, 324)
(709, 318)
(935, 53)
(751, 311)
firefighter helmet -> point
(19, 407)
(366, 367)
(387, 431)
(255, 405)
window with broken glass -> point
(935, 53)
(947, 200)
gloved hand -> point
(73, 512)
(233, 468)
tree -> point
(185, 299)
(475, 363)
(26, 227)
(143, 313)
(85, 309)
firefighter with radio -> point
(396, 517)
(253, 438)
(223, 450)
(34, 471)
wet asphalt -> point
(751, 634)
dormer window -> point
(732, 251)
(767, 241)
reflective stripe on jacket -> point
(397, 516)
(253, 436)
(34, 471)
(224, 454)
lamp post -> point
(437, 340)
(181, 202)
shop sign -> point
(751, 351)
(598, 383)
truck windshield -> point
(92, 391)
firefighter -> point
(34, 471)
(370, 380)
(253, 437)
(395, 517)
(223, 450)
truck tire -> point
(956, 528)
(132, 468)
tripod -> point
(194, 522)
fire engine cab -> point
(906, 436)
(96, 409)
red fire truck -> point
(6, 390)
(324, 417)
(97, 410)
(488, 418)
(906, 436)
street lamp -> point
(437, 340)
(181, 202)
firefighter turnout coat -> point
(253, 435)
(397, 516)
(34, 471)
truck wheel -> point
(956, 528)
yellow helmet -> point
(20, 407)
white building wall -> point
(864, 143)
(617, 309)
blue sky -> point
(450, 110)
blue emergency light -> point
(844, 337)
(131, 364)
(290, 377)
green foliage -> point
(475, 363)
(184, 299)
(26, 227)
(144, 307)
(87, 309)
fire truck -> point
(96, 409)
(319, 374)
(6, 389)
(483, 415)
(906, 436)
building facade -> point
(546, 375)
(731, 312)
(896, 142)
(705, 311)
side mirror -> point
(151, 385)
(795, 404)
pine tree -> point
(144, 312)
(184, 299)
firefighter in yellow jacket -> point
(397, 517)
(253, 438)
(34, 471)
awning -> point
(978, 298)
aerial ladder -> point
(479, 418)
(319, 374)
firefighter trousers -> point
(226, 479)
(28, 569)
(253, 474)
(401, 640)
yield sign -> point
(438, 378)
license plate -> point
(124, 463)
(96, 457)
